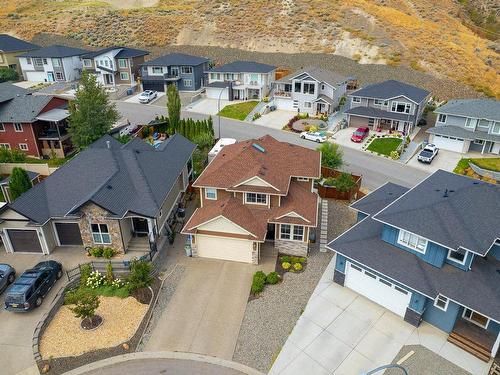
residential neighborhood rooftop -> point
(459, 132)
(55, 51)
(9, 91)
(376, 112)
(391, 89)
(319, 74)
(379, 199)
(10, 44)
(477, 108)
(243, 67)
(124, 53)
(176, 59)
(23, 107)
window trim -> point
(408, 245)
(125, 63)
(100, 233)
(187, 80)
(2, 127)
(309, 85)
(456, 260)
(256, 200)
(188, 68)
(5, 145)
(87, 63)
(28, 61)
(291, 232)
(395, 104)
(439, 298)
(495, 123)
(473, 321)
(21, 145)
(470, 120)
(59, 76)
(356, 99)
(124, 79)
(16, 124)
(442, 117)
(303, 179)
(478, 141)
(207, 191)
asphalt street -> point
(375, 170)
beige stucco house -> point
(10, 47)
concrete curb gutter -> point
(163, 355)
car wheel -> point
(59, 274)
(303, 136)
(11, 278)
(38, 301)
(317, 140)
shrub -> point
(96, 251)
(85, 271)
(257, 286)
(331, 155)
(259, 275)
(394, 155)
(108, 252)
(286, 265)
(256, 116)
(95, 280)
(343, 183)
(8, 74)
(302, 260)
(71, 297)
(86, 304)
(145, 131)
(285, 258)
(297, 267)
(272, 278)
(140, 275)
(109, 274)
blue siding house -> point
(185, 71)
(430, 253)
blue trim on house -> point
(444, 320)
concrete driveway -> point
(135, 98)
(275, 119)
(343, 333)
(205, 314)
(343, 138)
(208, 106)
(446, 160)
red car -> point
(360, 134)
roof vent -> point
(109, 187)
(445, 195)
(437, 190)
(137, 152)
(475, 183)
(108, 144)
(258, 147)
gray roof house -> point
(10, 47)
(240, 80)
(465, 125)
(111, 194)
(430, 253)
(387, 105)
(310, 90)
(187, 72)
(52, 63)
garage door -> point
(213, 93)
(378, 290)
(446, 143)
(224, 248)
(153, 85)
(25, 241)
(285, 104)
(69, 234)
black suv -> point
(28, 291)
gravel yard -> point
(64, 337)
(269, 320)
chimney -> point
(108, 143)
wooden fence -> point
(42, 169)
(332, 192)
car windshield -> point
(357, 132)
(426, 153)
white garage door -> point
(36, 76)
(285, 104)
(378, 290)
(446, 143)
(224, 248)
(214, 92)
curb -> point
(163, 355)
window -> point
(23, 146)
(441, 302)
(186, 69)
(401, 107)
(157, 70)
(297, 87)
(18, 127)
(476, 318)
(2, 127)
(412, 241)
(187, 82)
(100, 234)
(478, 141)
(322, 87)
(303, 179)
(211, 193)
(285, 230)
(307, 104)
(28, 61)
(5, 145)
(470, 123)
(442, 118)
(356, 100)
(122, 63)
(124, 76)
(86, 63)
(59, 76)
(495, 129)
(356, 268)
(308, 88)
(400, 290)
(457, 255)
(106, 63)
(385, 282)
(298, 233)
(380, 102)
(369, 274)
(44, 61)
(256, 198)
(484, 124)
(57, 63)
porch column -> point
(494, 350)
(484, 146)
(151, 234)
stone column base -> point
(338, 277)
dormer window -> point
(457, 255)
(412, 241)
(256, 198)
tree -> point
(331, 155)
(86, 303)
(173, 106)
(19, 182)
(140, 275)
(91, 113)
(8, 74)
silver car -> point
(147, 96)
(7, 276)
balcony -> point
(283, 94)
(54, 134)
(171, 77)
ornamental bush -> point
(257, 285)
(285, 258)
(297, 267)
(85, 271)
(108, 252)
(273, 278)
(96, 251)
(95, 280)
(109, 274)
(394, 155)
(286, 265)
(140, 275)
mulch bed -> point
(91, 323)
(281, 271)
(64, 364)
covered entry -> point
(391, 296)
(68, 234)
(24, 241)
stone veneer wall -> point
(297, 248)
(93, 214)
(255, 253)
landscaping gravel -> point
(425, 362)
(270, 319)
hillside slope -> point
(427, 35)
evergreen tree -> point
(91, 113)
(19, 183)
(173, 106)
(211, 126)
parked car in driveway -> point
(428, 154)
(147, 96)
(360, 134)
(29, 290)
(313, 136)
(7, 276)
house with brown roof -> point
(252, 192)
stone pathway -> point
(323, 238)
(409, 152)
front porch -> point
(246, 92)
(53, 137)
(474, 339)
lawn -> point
(384, 146)
(492, 164)
(238, 111)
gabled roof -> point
(135, 177)
(392, 89)
(449, 209)
(24, 107)
(379, 198)
(9, 91)
(476, 108)
(459, 132)
(376, 112)
(176, 59)
(123, 52)
(319, 74)
(10, 44)
(56, 51)
(276, 164)
(243, 67)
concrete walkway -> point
(205, 314)
(343, 333)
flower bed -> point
(288, 263)
(303, 122)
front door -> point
(108, 79)
(141, 227)
(50, 76)
(270, 232)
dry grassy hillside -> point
(427, 35)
